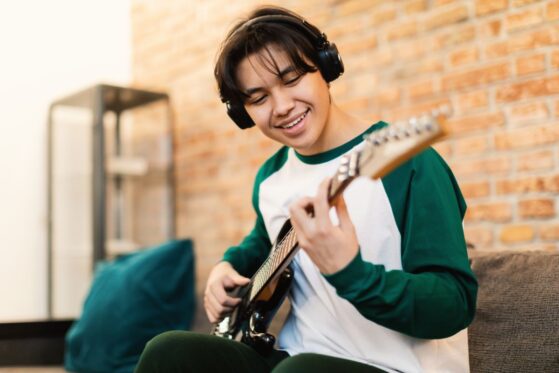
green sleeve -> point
(434, 295)
(251, 252)
(247, 257)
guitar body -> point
(255, 333)
(253, 316)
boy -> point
(382, 284)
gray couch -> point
(516, 328)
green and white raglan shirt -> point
(404, 302)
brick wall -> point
(495, 62)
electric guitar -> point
(384, 150)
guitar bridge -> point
(260, 341)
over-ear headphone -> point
(329, 60)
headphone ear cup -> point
(239, 115)
(331, 64)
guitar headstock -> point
(389, 147)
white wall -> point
(48, 49)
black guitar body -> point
(253, 315)
(255, 331)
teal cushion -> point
(131, 300)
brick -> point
(358, 63)
(389, 96)
(520, 114)
(382, 16)
(549, 232)
(528, 89)
(533, 246)
(479, 236)
(475, 189)
(475, 122)
(552, 11)
(519, 3)
(410, 51)
(527, 137)
(487, 166)
(406, 112)
(362, 103)
(419, 90)
(517, 233)
(352, 7)
(519, 42)
(555, 59)
(491, 29)
(521, 20)
(471, 145)
(342, 29)
(443, 148)
(358, 45)
(476, 77)
(438, 3)
(528, 184)
(382, 57)
(463, 56)
(457, 36)
(484, 7)
(473, 100)
(340, 88)
(530, 64)
(497, 212)
(536, 208)
(417, 68)
(535, 161)
(447, 16)
(402, 30)
(415, 6)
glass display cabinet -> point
(110, 184)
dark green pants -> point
(186, 352)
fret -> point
(273, 262)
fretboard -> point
(283, 251)
(278, 255)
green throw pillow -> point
(131, 300)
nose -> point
(283, 102)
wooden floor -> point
(32, 370)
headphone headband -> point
(319, 39)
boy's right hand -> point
(217, 302)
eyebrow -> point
(289, 69)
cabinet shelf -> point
(127, 166)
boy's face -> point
(290, 108)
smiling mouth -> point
(295, 122)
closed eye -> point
(257, 100)
(293, 80)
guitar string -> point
(278, 255)
(270, 265)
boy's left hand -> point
(331, 247)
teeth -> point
(296, 121)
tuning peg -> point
(426, 122)
(393, 134)
(443, 110)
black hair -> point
(243, 41)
